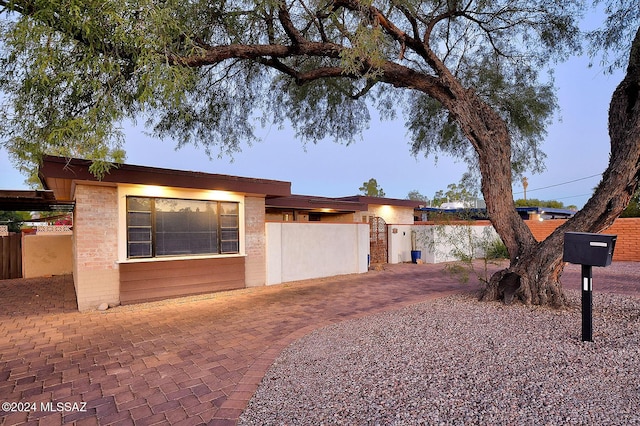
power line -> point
(573, 196)
(559, 184)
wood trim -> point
(146, 281)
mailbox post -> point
(588, 250)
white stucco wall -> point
(399, 243)
(438, 242)
(298, 251)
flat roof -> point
(58, 173)
(311, 203)
(382, 201)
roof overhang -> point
(311, 203)
(382, 201)
(59, 175)
(36, 200)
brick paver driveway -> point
(185, 361)
(193, 360)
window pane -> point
(230, 247)
(171, 227)
(139, 235)
(139, 204)
(229, 228)
(229, 208)
(140, 249)
(186, 227)
(139, 219)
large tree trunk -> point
(534, 273)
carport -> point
(23, 200)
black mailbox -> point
(589, 249)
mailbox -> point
(589, 249)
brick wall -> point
(255, 241)
(95, 244)
(627, 230)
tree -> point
(14, 220)
(633, 208)
(534, 202)
(371, 188)
(454, 192)
(415, 195)
(467, 75)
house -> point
(144, 233)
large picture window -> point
(176, 227)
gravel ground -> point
(455, 361)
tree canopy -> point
(203, 72)
(371, 188)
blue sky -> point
(577, 146)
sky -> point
(577, 149)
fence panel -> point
(11, 257)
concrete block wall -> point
(255, 241)
(95, 246)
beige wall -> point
(392, 214)
(95, 245)
(44, 255)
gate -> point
(378, 240)
(11, 257)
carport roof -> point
(60, 174)
(32, 200)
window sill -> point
(179, 258)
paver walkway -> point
(195, 360)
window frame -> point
(153, 228)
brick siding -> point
(96, 245)
(255, 241)
(627, 230)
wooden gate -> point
(11, 257)
(378, 240)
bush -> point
(497, 250)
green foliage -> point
(14, 220)
(613, 39)
(534, 202)
(200, 72)
(633, 208)
(371, 188)
(470, 249)
(415, 195)
(496, 250)
(465, 190)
